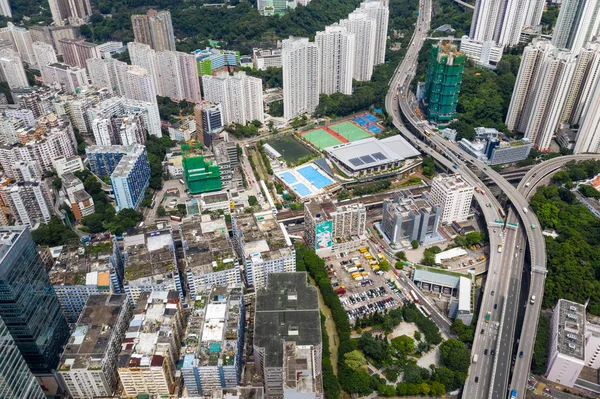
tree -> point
(160, 211)
(455, 355)
(94, 223)
(355, 360)
(464, 333)
(57, 183)
(53, 233)
(252, 200)
(474, 238)
(415, 244)
(399, 265)
(403, 344)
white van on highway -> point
(474, 359)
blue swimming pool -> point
(288, 178)
(316, 178)
(301, 189)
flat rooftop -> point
(371, 152)
(88, 342)
(75, 263)
(263, 238)
(287, 310)
(213, 328)
(207, 247)
(571, 329)
(451, 182)
(150, 333)
(149, 257)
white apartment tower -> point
(167, 63)
(454, 194)
(75, 12)
(566, 354)
(588, 137)
(364, 29)
(5, 9)
(12, 69)
(142, 55)
(139, 84)
(188, 72)
(300, 77)
(240, 96)
(335, 60)
(540, 92)
(578, 22)
(44, 54)
(501, 21)
(21, 38)
(109, 73)
(379, 11)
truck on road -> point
(499, 248)
(532, 300)
(525, 209)
(488, 317)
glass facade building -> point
(29, 306)
(16, 380)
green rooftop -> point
(201, 176)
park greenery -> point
(429, 255)
(365, 189)
(573, 258)
(469, 239)
(53, 233)
(105, 218)
(157, 148)
(271, 77)
(542, 343)
(393, 357)
(170, 111)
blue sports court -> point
(369, 122)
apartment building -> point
(154, 29)
(454, 195)
(88, 366)
(300, 77)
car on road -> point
(547, 390)
(492, 292)
(495, 306)
(493, 352)
(485, 351)
(520, 354)
(482, 331)
(476, 379)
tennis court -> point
(368, 122)
(321, 138)
(350, 131)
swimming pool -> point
(301, 189)
(288, 178)
(315, 177)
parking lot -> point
(363, 289)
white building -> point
(44, 54)
(364, 29)
(379, 11)
(485, 53)
(454, 194)
(88, 365)
(168, 73)
(501, 21)
(335, 60)
(188, 72)
(12, 69)
(240, 96)
(566, 355)
(73, 12)
(263, 246)
(300, 77)
(139, 85)
(578, 22)
(9, 127)
(263, 59)
(116, 106)
(142, 55)
(29, 201)
(540, 92)
(70, 164)
(5, 9)
(588, 136)
(592, 345)
(71, 78)
(109, 73)
(21, 38)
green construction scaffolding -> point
(201, 176)
(442, 84)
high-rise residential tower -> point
(454, 195)
(28, 304)
(44, 54)
(74, 12)
(335, 60)
(139, 84)
(379, 11)
(12, 69)
(543, 82)
(109, 73)
(76, 52)
(5, 8)
(365, 35)
(22, 40)
(240, 96)
(578, 22)
(154, 29)
(300, 77)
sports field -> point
(289, 148)
(321, 138)
(350, 131)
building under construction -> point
(442, 84)
(201, 176)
